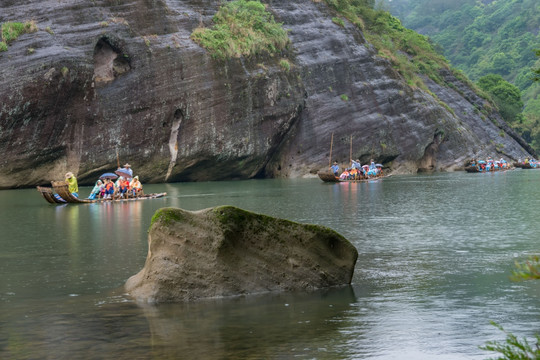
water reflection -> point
(266, 326)
(435, 252)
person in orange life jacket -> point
(109, 189)
(122, 186)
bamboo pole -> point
(350, 151)
(331, 144)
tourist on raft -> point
(121, 186)
(109, 189)
(345, 175)
(73, 187)
(136, 186)
(96, 191)
(127, 169)
(355, 164)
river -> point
(435, 255)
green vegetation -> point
(167, 216)
(409, 52)
(479, 37)
(12, 30)
(242, 28)
(338, 21)
(285, 64)
(506, 96)
(487, 37)
(536, 71)
(344, 97)
(513, 348)
(527, 270)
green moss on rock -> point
(167, 216)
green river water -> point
(435, 255)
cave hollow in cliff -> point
(109, 62)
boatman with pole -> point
(335, 168)
(73, 187)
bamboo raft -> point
(328, 176)
(60, 194)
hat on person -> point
(127, 165)
(69, 174)
(136, 177)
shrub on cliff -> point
(410, 53)
(12, 30)
(242, 28)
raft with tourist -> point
(528, 164)
(354, 173)
(127, 188)
(489, 165)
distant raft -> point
(483, 166)
(60, 194)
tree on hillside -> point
(537, 71)
(506, 96)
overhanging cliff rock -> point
(105, 77)
(227, 251)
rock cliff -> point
(107, 77)
(226, 251)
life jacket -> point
(124, 185)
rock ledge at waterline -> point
(227, 251)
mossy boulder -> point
(227, 251)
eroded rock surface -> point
(123, 76)
(226, 251)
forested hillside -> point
(486, 37)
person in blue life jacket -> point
(335, 168)
(372, 169)
(96, 191)
(355, 164)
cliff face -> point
(105, 80)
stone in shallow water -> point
(227, 251)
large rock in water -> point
(226, 251)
